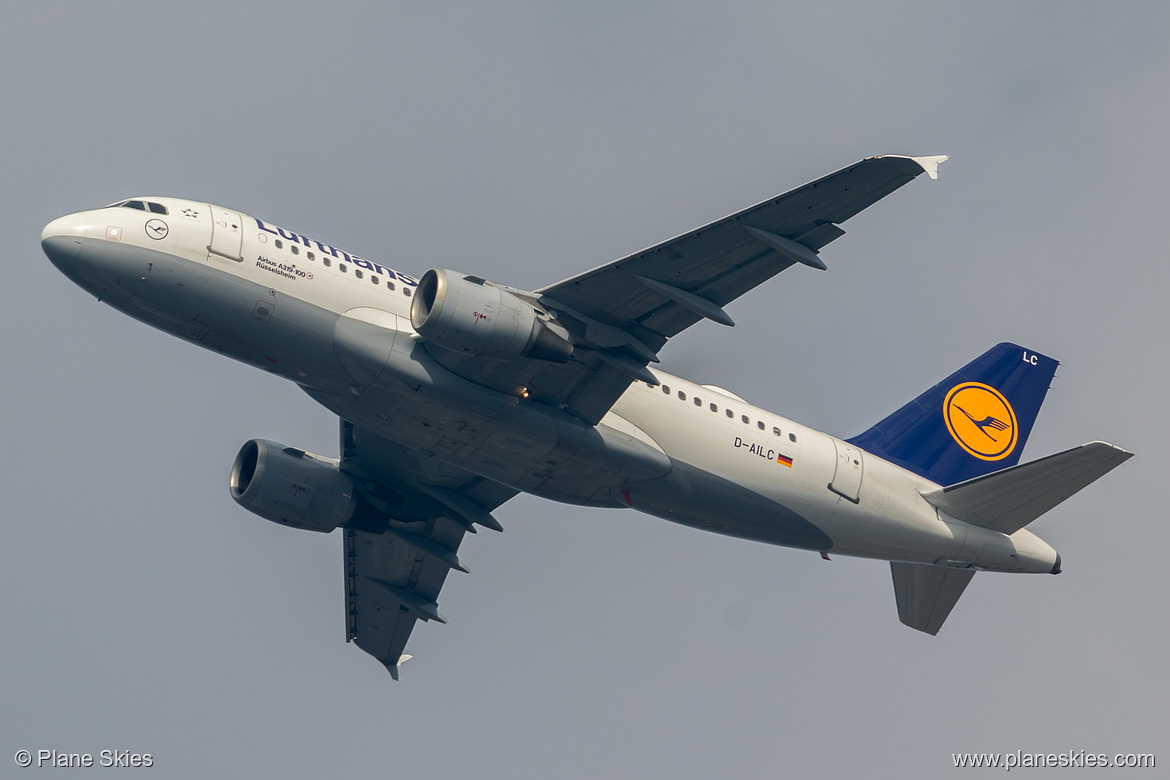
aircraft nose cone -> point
(61, 241)
(69, 225)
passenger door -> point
(227, 234)
(850, 467)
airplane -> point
(455, 393)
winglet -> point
(394, 667)
(930, 164)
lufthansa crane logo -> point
(157, 229)
(981, 420)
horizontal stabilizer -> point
(926, 594)
(1008, 500)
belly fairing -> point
(405, 396)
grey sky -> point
(525, 142)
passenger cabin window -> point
(730, 414)
(745, 419)
(792, 437)
(682, 396)
(326, 261)
(279, 244)
(295, 248)
(311, 256)
(666, 389)
(714, 407)
(341, 267)
(390, 286)
(406, 291)
(375, 279)
(775, 431)
(698, 401)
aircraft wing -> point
(621, 314)
(396, 562)
(660, 291)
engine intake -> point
(475, 317)
(292, 487)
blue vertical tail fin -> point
(974, 422)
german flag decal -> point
(784, 460)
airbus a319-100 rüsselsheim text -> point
(455, 393)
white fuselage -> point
(339, 325)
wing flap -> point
(926, 594)
(1009, 499)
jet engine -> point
(292, 487)
(476, 317)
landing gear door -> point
(227, 234)
(850, 467)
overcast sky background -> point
(143, 610)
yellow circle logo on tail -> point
(981, 420)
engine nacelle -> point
(474, 317)
(292, 487)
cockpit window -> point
(156, 208)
